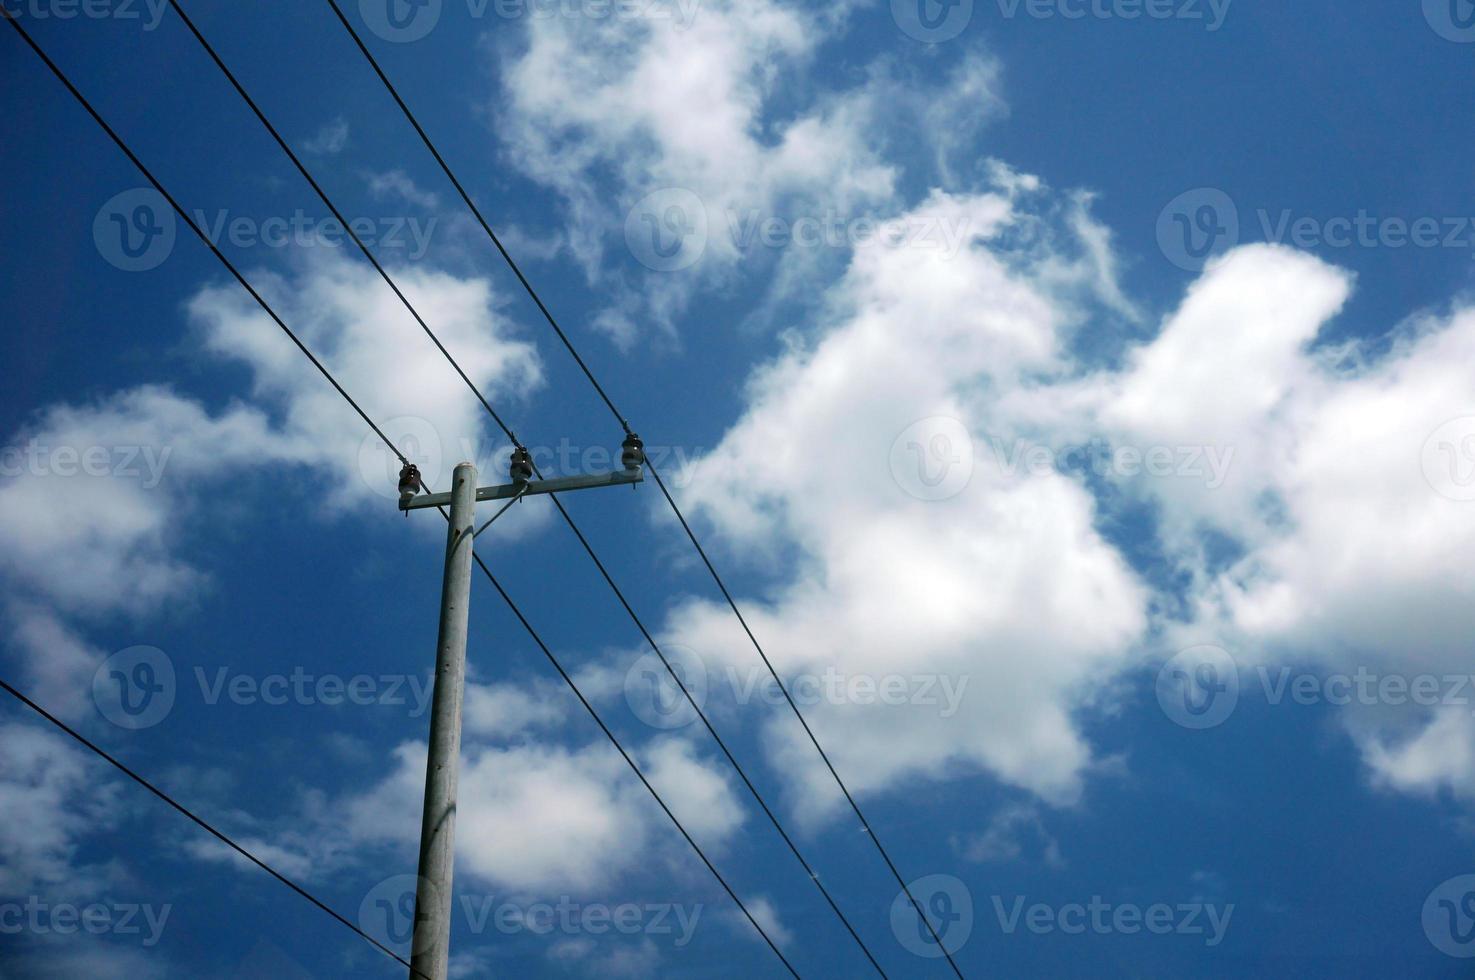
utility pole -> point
(430, 945)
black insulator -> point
(632, 452)
(522, 465)
(409, 479)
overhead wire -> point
(261, 301)
(207, 826)
(623, 420)
(384, 274)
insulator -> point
(632, 452)
(522, 465)
(409, 484)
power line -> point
(507, 256)
(624, 422)
(388, 279)
(81, 99)
(528, 626)
(202, 823)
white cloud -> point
(500, 710)
(658, 105)
(1012, 829)
(397, 184)
(355, 325)
(331, 139)
(1351, 555)
(98, 499)
(104, 541)
(545, 818)
(59, 664)
(53, 795)
(766, 915)
(1340, 550)
(1006, 587)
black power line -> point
(82, 100)
(202, 823)
(588, 548)
(624, 422)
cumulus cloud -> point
(540, 819)
(1006, 583)
(1325, 538)
(98, 500)
(53, 795)
(331, 139)
(1349, 540)
(92, 496)
(355, 325)
(681, 116)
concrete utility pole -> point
(430, 946)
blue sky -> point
(1097, 382)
